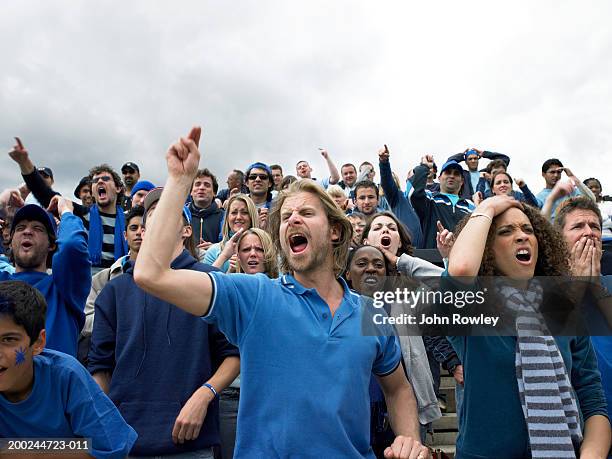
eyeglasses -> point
(104, 178)
(260, 176)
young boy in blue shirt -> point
(48, 394)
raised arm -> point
(466, 255)
(189, 290)
(334, 176)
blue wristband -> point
(212, 389)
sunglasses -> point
(260, 176)
(104, 178)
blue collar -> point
(353, 298)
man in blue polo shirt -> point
(305, 365)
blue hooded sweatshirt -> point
(66, 289)
(159, 356)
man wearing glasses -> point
(551, 172)
(260, 183)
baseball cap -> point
(153, 196)
(34, 212)
(258, 165)
(452, 164)
(45, 171)
(130, 165)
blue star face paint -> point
(20, 355)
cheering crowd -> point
(195, 321)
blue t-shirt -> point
(66, 402)
(542, 195)
(304, 374)
(453, 198)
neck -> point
(202, 204)
(128, 190)
(110, 208)
(324, 281)
(20, 393)
(39, 269)
(133, 255)
(258, 199)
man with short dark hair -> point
(259, 181)
(446, 207)
(552, 196)
(277, 176)
(366, 197)
(348, 172)
(131, 175)
(207, 217)
(83, 191)
(35, 248)
(48, 394)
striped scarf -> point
(547, 398)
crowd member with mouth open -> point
(281, 324)
(255, 254)
(366, 274)
(241, 215)
(504, 238)
(35, 247)
(104, 220)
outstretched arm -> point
(334, 176)
(189, 290)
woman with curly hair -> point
(525, 395)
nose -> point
(294, 219)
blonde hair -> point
(335, 191)
(269, 250)
(335, 217)
(225, 231)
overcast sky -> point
(89, 82)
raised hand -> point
(477, 198)
(19, 154)
(58, 205)
(11, 198)
(263, 217)
(562, 188)
(324, 153)
(496, 205)
(519, 182)
(581, 257)
(183, 157)
(383, 154)
(428, 160)
(444, 240)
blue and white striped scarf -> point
(546, 394)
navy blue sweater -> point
(159, 356)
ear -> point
(39, 344)
(336, 233)
(187, 231)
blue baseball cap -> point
(259, 166)
(141, 185)
(452, 164)
(34, 212)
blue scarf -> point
(96, 234)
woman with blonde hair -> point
(254, 251)
(241, 214)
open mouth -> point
(2, 370)
(298, 243)
(385, 241)
(253, 263)
(523, 256)
(26, 245)
(371, 280)
(101, 192)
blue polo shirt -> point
(304, 374)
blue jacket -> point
(400, 204)
(159, 356)
(431, 208)
(66, 289)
